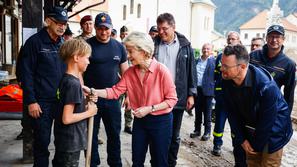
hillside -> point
(230, 14)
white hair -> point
(141, 41)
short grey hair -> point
(141, 41)
(233, 32)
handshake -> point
(90, 94)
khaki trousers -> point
(265, 159)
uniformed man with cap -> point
(153, 32)
(108, 58)
(274, 60)
(41, 70)
(87, 25)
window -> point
(258, 35)
(206, 23)
(124, 12)
(246, 36)
(138, 10)
(294, 39)
(131, 6)
(263, 35)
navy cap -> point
(114, 31)
(58, 13)
(124, 29)
(68, 31)
(103, 19)
(276, 28)
(153, 29)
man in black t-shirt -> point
(107, 60)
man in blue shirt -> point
(108, 58)
(41, 70)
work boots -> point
(196, 133)
(216, 150)
(206, 134)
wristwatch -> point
(153, 108)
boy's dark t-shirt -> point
(72, 137)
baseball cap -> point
(276, 28)
(124, 29)
(114, 31)
(85, 19)
(68, 31)
(153, 29)
(58, 13)
(103, 19)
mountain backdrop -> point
(231, 14)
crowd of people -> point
(156, 78)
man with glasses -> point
(175, 51)
(108, 58)
(41, 70)
(274, 60)
(262, 124)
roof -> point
(257, 22)
(260, 20)
(207, 2)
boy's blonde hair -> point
(74, 47)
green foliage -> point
(196, 53)
(231, 14)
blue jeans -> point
(110, 112)
(175, 140)
(42, 127)
(155, 132)
(220, 120)
(203, 104)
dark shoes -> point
(216, 150)
(195, 134)
(205, 137)
(128, 130)
(20, 136)
(100, 141)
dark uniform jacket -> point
(186, 75)
(269, 110)
(282, 69)
(42, 68)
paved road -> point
(193, 152)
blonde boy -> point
(70, 127)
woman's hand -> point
(142, 111)
(86, 90)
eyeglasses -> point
(275, 36)
(59, 23)
(163, 28)
(225, 67)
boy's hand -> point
(92, 108)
